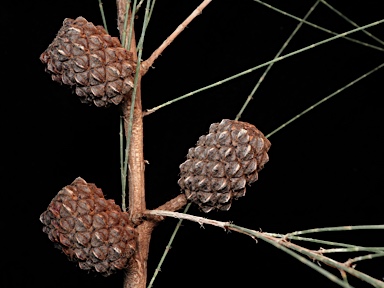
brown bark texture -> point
(136, 274)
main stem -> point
(136, 274)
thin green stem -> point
(130, 32)
(262, 65)
(323, 100)
(168, 247)
(351, 22)
(151, 10)
(374, 282)
(338, 228)
(345, 277)
(319, 27)
(124, 34)
(122, 175)
(261, 79)
(352, 249)
(103, 15)
(290, 246)
(129, 132)
(126, 156)
(324, 242)
(297, 256)
(365, 257)
(138, 6)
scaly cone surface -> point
(89, 229)
(222, 163)
(92, 62)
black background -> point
(325, 168)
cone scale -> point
(223, 162)
(89, 229)
(84, 57)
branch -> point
(136, 274)
(319, 27)
(290, 248)
(322, 101)
(172, 205)
(329, 243)
(335, 264)
(262, 77)
(175, 204)
(200, 220)
(365, 257)
(149, 111)
(148, 63)
(338, 228)
(103, 16)
(167, 248)
(351, 22)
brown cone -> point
(92, 62)
(89, 229)
(222, 163)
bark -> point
(136, 274)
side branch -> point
(288, 247)
(148, 63)
(174, 204)
(200, 220)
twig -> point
(124, 166)
(351, 22)
(362, 276)
(322, 101)
(133, 97)
(261, 79)
(123, 176)
(172, 205)
(345, 277)
(313, 255)
(175, 204)
(167, 248)
(200, 220)
(149, 111)
(138, 6)
(151, 10)
(365, 257)
(124, 32)
(351, 249)
(280, 246)
(148, 63)
(324, 242)
(319, 27)
(283, 245)
(131, 29)
(338, 228)
(103, 15)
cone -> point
(222, 163)
(90, 61)
(89, 229)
